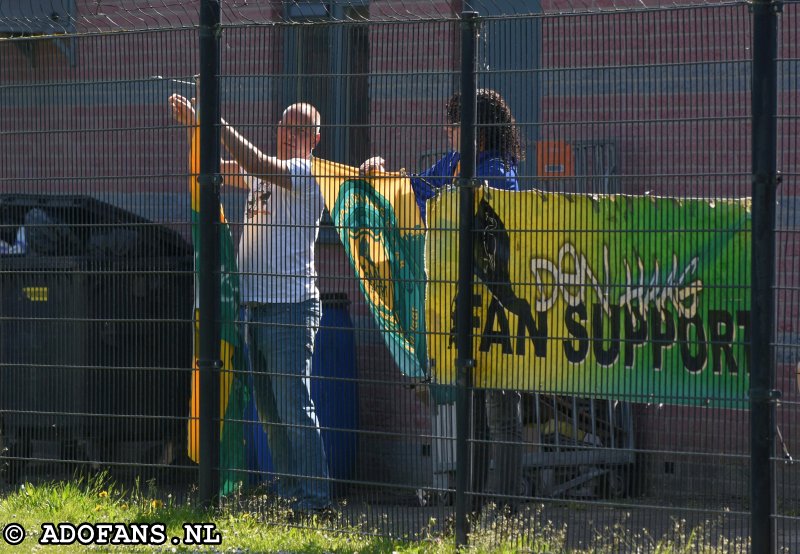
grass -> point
(243, 530)
(97, 500)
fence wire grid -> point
(102, 16)
(611, 304)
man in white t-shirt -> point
(278, 289)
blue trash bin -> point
(334, 391)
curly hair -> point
(497, 128)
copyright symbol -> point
(13, 534)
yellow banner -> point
(636, 298)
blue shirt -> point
(490, 166)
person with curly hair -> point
(499, 150)
(498, 153)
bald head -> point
(298, 131)
(304, 114)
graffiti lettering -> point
(571, 277)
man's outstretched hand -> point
(183, 109)
(372, 165)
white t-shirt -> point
(276, 248)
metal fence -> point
(643, 126)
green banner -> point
(630, 297)
(378, 222)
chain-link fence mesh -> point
(634, 120)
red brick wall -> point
(74, 135)
(671, 91)
(413, 67)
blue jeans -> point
(280, 339)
